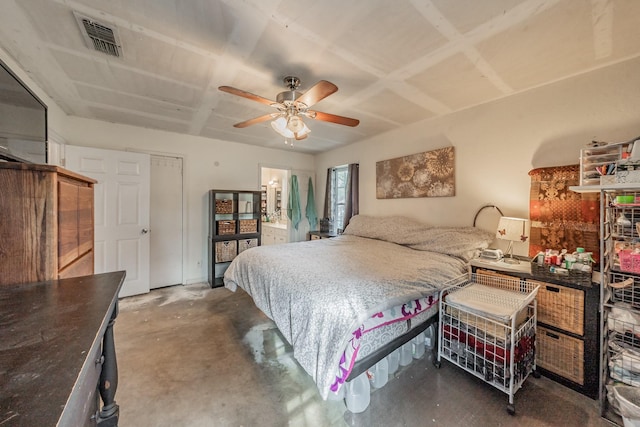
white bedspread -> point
(318, 292)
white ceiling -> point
(394, 62)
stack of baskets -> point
(558, 352)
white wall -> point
(497, 144)
(208, 164)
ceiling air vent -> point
(99, 36)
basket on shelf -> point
(562, 307)
(245, 244)
(226, 227)
(226, 250)
(248, 226)
(629, 261)
(577, 277)
(224, 206)
(561, 354)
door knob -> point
(144, 231)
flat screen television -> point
(23, 121)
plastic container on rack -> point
(406, 354)
(357, 393)
(629, 400)
(418, 346)
(393, 360)
(379, 374)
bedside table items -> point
(575, 267)
(325, 225)
(492, 254)
(513, 230)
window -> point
(338, 196)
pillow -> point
(461, 242)
(389, 228)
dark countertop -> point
(47, 331)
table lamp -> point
(513, 230)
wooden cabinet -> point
(567, 332)
(234, 226)
(47, 226)
(274, 234)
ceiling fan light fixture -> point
(291, 106)
(303, 132)
(295, 124)
(280, 126)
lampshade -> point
(280, 126)
(513, 230)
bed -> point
(345, 303)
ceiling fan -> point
(291, 106)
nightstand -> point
(567, 334)
(317, 235)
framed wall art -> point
(428, 174)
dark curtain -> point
(352, 199)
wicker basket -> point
(248, 226)
(224, 206)
(245, 244)
(561, 354)
(562, 307)
(226, 251)
(226, 227)
(576, 277)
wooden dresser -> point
(58, 357)
(47, 223)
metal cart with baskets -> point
(487, 327)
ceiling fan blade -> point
(248, 95)
(255, 120)
(326, 117)
(317, 93)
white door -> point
(166, 222)
(121, 211)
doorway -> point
(121, 212)
(275, 184)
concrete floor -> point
(195, 356)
